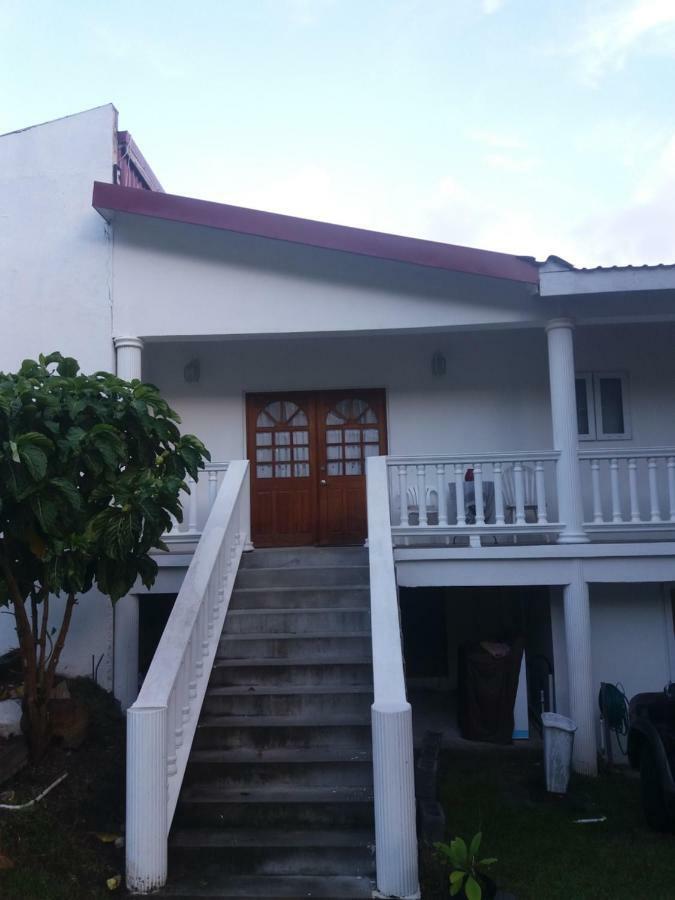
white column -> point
(125, 650)
(394, 791)
(128, 354)
(580, 671)
(147, 794)
(565, 437)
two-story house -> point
(495, 430)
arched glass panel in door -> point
(352, 434)
(282, 441)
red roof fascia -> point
(109, 198)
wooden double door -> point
(308, 456)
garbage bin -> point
(558, 744)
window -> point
(602, 406)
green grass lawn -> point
(543, 854)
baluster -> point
(520, 492)
(192, 656)
(459, 494)
(204, 630)
(540, 492)
(633, 491)
(197, 638)
(499, 493)
(478, 493)
(597, 500)
(403, 493)
(422, 496)
(213, 487)
(614, 481)
(172, 717)
(654, 509)
(441, 494)
(192, 505)
(178, 703)
(671, 487)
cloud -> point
(608, 38)
(491, 6)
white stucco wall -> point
(494, 395)
(238, 284)
(55, 251)
(55, 294)
(631, 638)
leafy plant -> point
(468, 872)
(91, 470)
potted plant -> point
(468, 874)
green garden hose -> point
(614, 710)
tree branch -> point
(60, 641)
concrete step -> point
(347, 670)
(301, 597)
(303, 557)
(295, 806)
(212, 883)
(268, 732)
(303, 576)
(317, 766)
(300, 701)
(277, 852)
(296, 621)
(294, 646)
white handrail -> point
(161, 723)
(393, 761)
(197, 503)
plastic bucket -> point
(558, 744)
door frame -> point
(315, 451)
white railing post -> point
(520, 492)
(441, 493)
(595, 481)
(633, 490)
(614, 484)
(654, 509)
(213, 486)
(421, 496)
(540, 493)
(147, 790)
(499, 493)
(192, 505)
(459, 494)
(671, 487)
(393, 759)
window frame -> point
(587, 378)
(596, 430)
(602, 435)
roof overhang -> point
(110, 200)
(558, 278)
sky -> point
(526, 126)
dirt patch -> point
(54, 847)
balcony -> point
(507, 498)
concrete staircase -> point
(277, 797)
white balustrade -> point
(630, 490)
(393, 760)
(197, 504)
(161, 723)
(475, 494)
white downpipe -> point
(393, 762)
(162, 722)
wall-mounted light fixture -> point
(438, 364)
(192, 371)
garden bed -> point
(55, 848)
